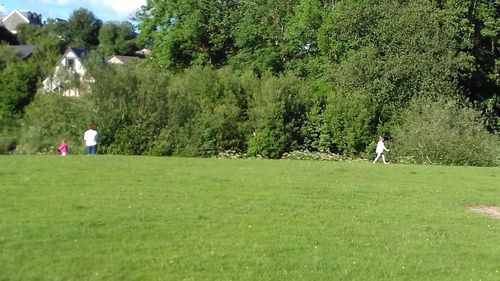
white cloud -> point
(124, 7)
(57, 2)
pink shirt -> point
(63, 148)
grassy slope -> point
(140, 218)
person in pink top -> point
(63, 148)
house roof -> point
(123, 59)
(19, 14)
(24, 51)
(27, 16)
(16, 17)
(79, 52)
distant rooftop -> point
(122, 59)
(16, 17)
(79, 52)
(24, 51)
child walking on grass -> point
(380, 150)
(63, 148)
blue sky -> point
(105, 10)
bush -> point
(8, 136)
(129, 104)
(443, 132)
(51, 118)
(18, 88)
(349, 117)
(222, 115)
(277, 113)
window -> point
(70, 63)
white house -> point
(15, 18)
(69, 75)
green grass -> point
(146, 218)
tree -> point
(7, 56)
(392, 51)
(303, 54)
(83, 28)
(260, 35)
(189, 32)
(57, 29)
(49, 41)
(28, 33)
(477, 26)
(18, 82)
(117, 38)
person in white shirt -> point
(90, 138)
(380, 150)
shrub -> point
(277, 114)
(18, 86)
(129, 104)
(50, 118)
(8, 136)
(443, 132)
(348, 117)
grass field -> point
(146, 218)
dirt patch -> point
(490, 211)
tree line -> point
(264, 78)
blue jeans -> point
(92, 149)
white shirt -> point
(380, 147)
(90, 137)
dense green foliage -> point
(42, 130)
(364, 60)
(18, 82)
(265, 78)
(165, 218)
(117, 38)
(83, 28)
(443, 132)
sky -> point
(105, 10)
